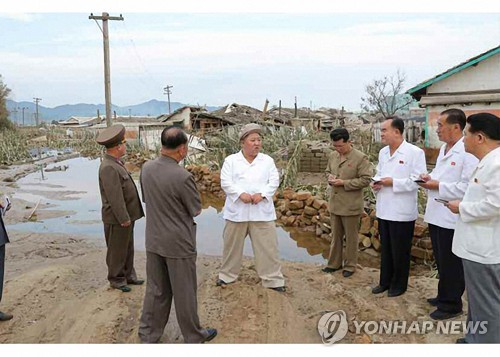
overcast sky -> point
(239, 56)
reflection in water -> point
(304, 246)
(82, 175)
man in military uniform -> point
(121, 207)
(4, 239)
(349, 171)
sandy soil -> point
(56, 288)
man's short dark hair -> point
(455, 116)
(338, 134)
(487, 123)
(397, 123)
(172, 137)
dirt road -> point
(56, 288)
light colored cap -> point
(111, 136)
(249, 129)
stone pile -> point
(302, 209)
(206, 180)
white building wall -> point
(184, 115)
(483, 76)
(150, 138)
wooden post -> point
(107, 72)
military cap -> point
(249, 129)
(111, 136)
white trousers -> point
(265, 248)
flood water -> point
(79, 184)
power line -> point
(139, 58)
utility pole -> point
(107, 73)
(36, 114)
(24, 108)
(296, 114)
(167, 91)
(15, 111)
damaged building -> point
(473, 86)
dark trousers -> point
(396, 239)
(451, 272)
(120, 254)
(2, 268)
(167, 279)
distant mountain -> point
(151, 108)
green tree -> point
(5, 123)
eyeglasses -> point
(123, 141)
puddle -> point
(77, 189)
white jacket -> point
(477, 233)
(239, 176)
(453, 172)
(399, 201)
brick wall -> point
(314, 157)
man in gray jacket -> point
(172, 201)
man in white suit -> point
(448, 181)
(399, 165)
(477, 233)
(250, 179)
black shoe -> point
(220, 283)
(5, 316)
(461, 340)
(433, 301)
(329, 270)
(379, 289)
(347, 273)
(394, 293)
(444, 315)
(123, 288)
(280, 289)
(136, 282)
(211, 335)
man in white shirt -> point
(250, 179)
(477, 233)
(399, 165)
(448, 181)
